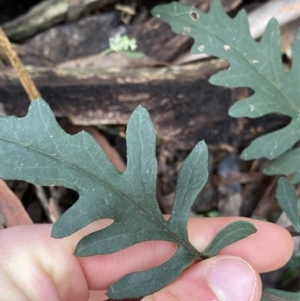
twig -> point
(26, 81)
(292, 231)
(266, 202)
(49, 205)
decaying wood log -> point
(111, 60)
(184, 107)
(85, 37)
(47, 14)
(78, 39)
(51, 12)
(157, 41)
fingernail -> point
(232, 280)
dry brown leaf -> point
(11, 208)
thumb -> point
(221, 278)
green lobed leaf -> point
(270, 294)
(256, 65)
(35, 149)
(287, 199)
(228, 235)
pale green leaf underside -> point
(271, 294)
(256, 65)
(228, 235)
(287, 199)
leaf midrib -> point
(180, 241)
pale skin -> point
(36, 267)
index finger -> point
(258, 250)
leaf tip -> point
(39, 99)
(229, 234)
(56, 234)
(216, 4)
(201, 144)
(233, 112)
(57, 231)
(249, 153)
(201, 147)
(78, 251)
(244, 155)
(140, 110)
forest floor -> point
(184, 110)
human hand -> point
(36, 267)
